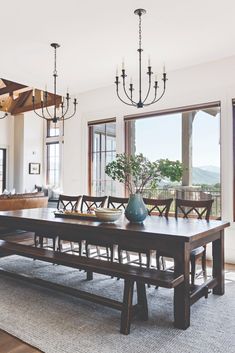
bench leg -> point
(127, 306)
(142, 301)
(89, 276)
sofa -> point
(21, 201)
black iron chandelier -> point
(60, 110)
(142, 100)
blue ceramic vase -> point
(136, 210)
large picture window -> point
(54, 149)
(190, 135)
(53, 164)
(2, 169)
(102, 150)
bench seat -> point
(129, 273)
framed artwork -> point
(34, 168)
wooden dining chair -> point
(119, 203)
(89, 203)
(65, 202)
(158, 207)
(68, 203)
(199, 209)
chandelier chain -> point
(55, 58)
(140, 32)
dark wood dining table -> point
(174, 237)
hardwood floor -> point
(10, 344)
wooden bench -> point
(130, 274)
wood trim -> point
(172, 110)
(102, 121)
(90, 159)
(233, 161)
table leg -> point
(182, 291)
(218, 263)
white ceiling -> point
(96, 35)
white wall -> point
(33, 150)
(28, 146)
(6, 141)
(200, 84)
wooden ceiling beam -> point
(20, 102)
(29, 107)
(11, 88)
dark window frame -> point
(4, 174)
(129, 118)
(91, 125)
(47, 158)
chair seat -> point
(197, 251)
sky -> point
(160, 137)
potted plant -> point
(138, 173)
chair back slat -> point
(117, 202)
(161, 206)
(66, 202)
(91, 202)
(200, 208)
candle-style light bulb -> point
(33, 93)
(123, 64)
(149, 61)
(41, 96)
(117, 72)
(164, 69)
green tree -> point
(137, 172)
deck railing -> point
(188, 193)
(104, 187)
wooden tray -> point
(76, 215)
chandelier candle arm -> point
(59, 110)
(155, 99)
(150, 80)
(141, 102)
(117, 91)
(124, 85)
(47, 110)
(75, 109)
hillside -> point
(204, 176)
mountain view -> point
(206, 175)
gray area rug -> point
(57, 323)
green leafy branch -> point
(137, 172)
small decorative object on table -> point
(139, 173)
(75, 214)
(108, 214)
